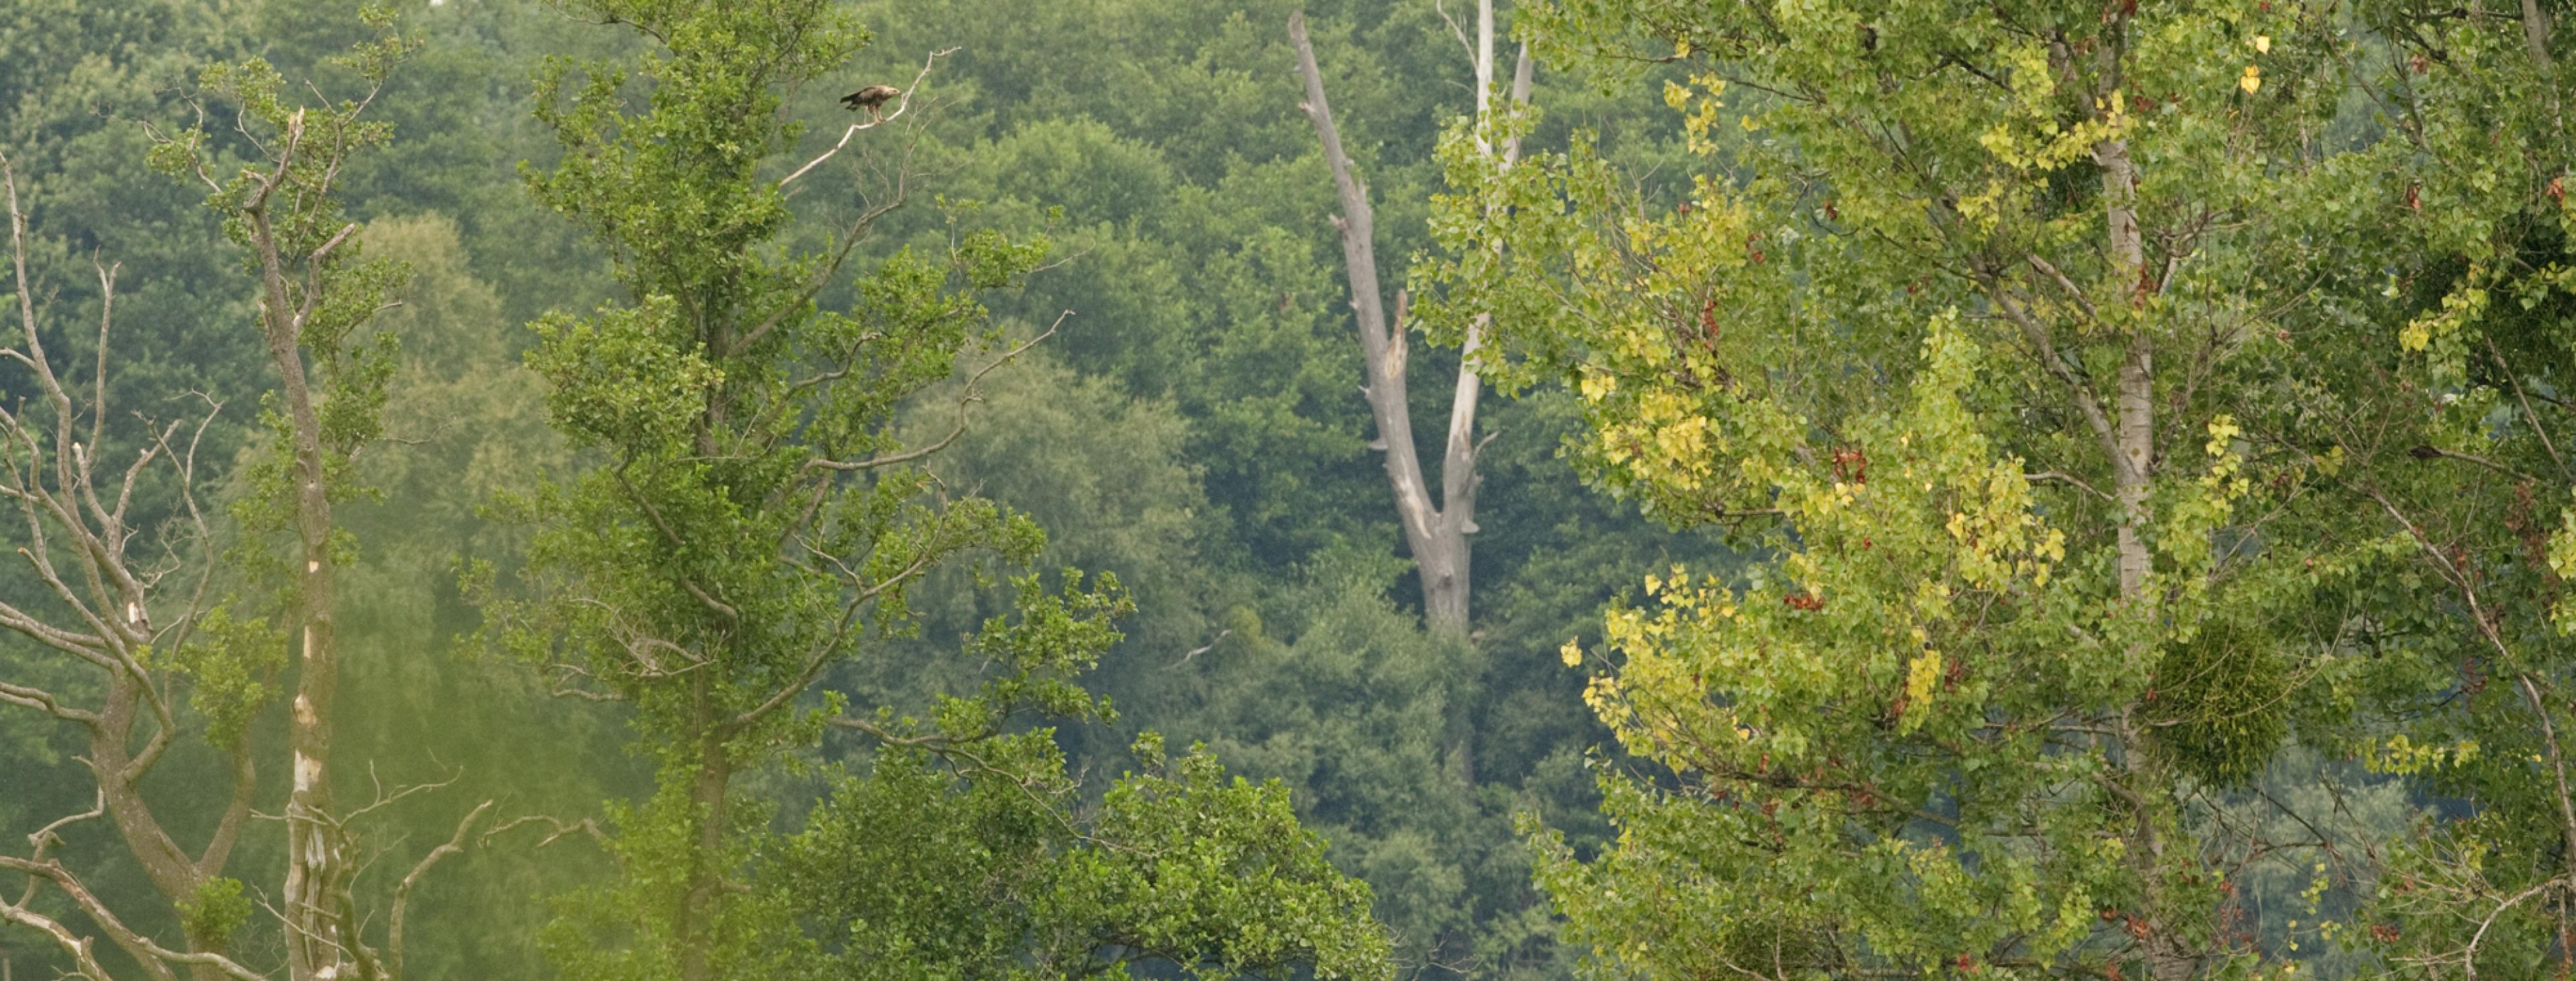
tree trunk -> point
(173, 875)
(316, 855)
(2134, 451)
(702, 904)
(1437, 534)
(2169, 955)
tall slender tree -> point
(755, 518)
(178, 649)
(316, 296)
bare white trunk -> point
(1436, 532)
(2133, 443)
(2137, 452)
(1484, 68)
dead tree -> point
(316, 300)
(112, 592)
(1436, 532)
(125, 603)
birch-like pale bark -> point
(2169, 956)
(2133, 448)
(1435, 531)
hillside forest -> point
(662, 490)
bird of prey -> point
(873, 99)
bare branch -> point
(402, 891)
(78, 947)
(46, 702)
(1203, 648)
(2430, 452)
(1454, 30)
(2066, 284)
(2538, 427)
(154, 958)
(2066, 479)
(2077, 389)
(1435, 532)
(44, 839)
(560, 828)
(873, 123)
(98, 380)
(2469, 956)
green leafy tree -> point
(2449, 418)
(1962, 317)
(965, 852)
(755, 519)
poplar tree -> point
(2453, 416)
(1960, 316)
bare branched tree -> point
(131, 600)
(106, 577)
(1435, 531)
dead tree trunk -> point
(289, 226)
(315, 855)
(1436, 532)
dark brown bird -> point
(873, 99)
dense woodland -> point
(1349, 488)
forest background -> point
(1194, 427)
(2310, 638)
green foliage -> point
(2221, 703)
(217, 910)
(232, 663)
(1193, 429)
(2460, 277)
(2005, 461)
(1214, 350)
(79, 77)
(988, 871)
(758, 516)
(1219, 877)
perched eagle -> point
(873, 99)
